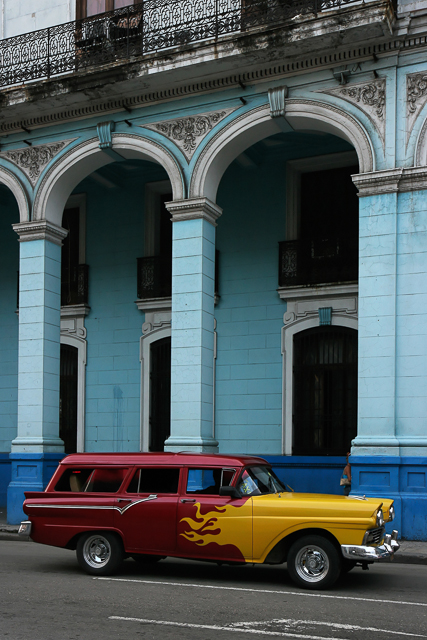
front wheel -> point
(314, 562)
(99, 553)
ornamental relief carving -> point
(369, 97)
(416, 97)
(188, 132)
(32, 160)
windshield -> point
(257, 481)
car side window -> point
(154, 480)
(208, 481)
(83, 480)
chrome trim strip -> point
(92, 507)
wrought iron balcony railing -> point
(75, 285)
(318, 261)
(139, 29)
(154, 277)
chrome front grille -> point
(374, 536)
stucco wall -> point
(23, 16)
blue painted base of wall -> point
(29, 472)
(310, 474)
(404, 479)
(5, 477)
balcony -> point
(156, 26)
(318, 261)
(75, 286)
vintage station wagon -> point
(226, 509)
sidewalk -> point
(410, 552)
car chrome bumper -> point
(361, 553)
(25, 528)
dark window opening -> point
(160, 392)
(155, 272)
(325, 391)
(154, 481)
(327, 247)
(68, 398)
(74, 276)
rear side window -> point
(99, 480)
(154, 480)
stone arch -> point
(83, 159)
(11, 181)
(257, 124)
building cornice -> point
(294, 66)
(391, 181)
(40, 230)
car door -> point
(213, 526)
(147, 508)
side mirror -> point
(230, 492)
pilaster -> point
(38, 360)
(192, 356)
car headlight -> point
(380, 518)
(391, 513)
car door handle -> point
(124, 499)
(188, 499)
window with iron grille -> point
(325, 391)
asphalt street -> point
(45, 596)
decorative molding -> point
(193, 209)
(40, 230)
(369, 97)
(188, 132)
(32, 160)
(105, 130)
(416, 97)
(277, 99)
(74, 311)
(391, 181)
(319, 293)
(154, 305)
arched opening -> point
(9, 266)
(288, 245)
(116, 271)
(325, 391)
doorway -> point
(68, 397)
(160, 391)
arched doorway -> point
(325, 390)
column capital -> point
(391, 181)
(194, 209)
(40, 230)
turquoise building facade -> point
(218, 243)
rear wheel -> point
(314, 562)
(99, 553)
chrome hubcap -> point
(312, 563)
(96, 551)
